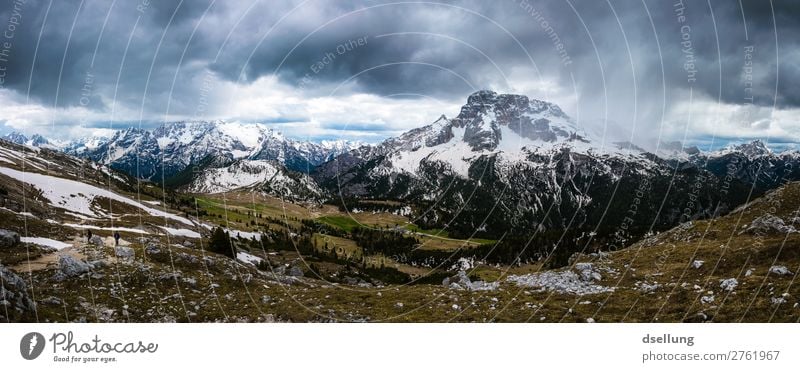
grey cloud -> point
(410, 60)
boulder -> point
(462, 281)
(69, 267)
(769, 224)
(170, 276)
(587, 272)
(777, 300)
(296, 271)
(124, 253)
(8, 238)
(15, 295)
(696, 264)
(700, 317)
(97, 240)
(780, 270)
(152, 249)
(729, 284)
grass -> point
(342, 222)
(663, 259)
(345, 248)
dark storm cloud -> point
(439, 50)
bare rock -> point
(296, 271)
(769, 224)
(15, 294)
(125, 253)
(780, 270)
(587, 272)
(69, 267)
(152, 249)
(97, 240)
(729, 284)
(8, 238)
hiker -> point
(88, 236)
(116, 238)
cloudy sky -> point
(710, 72)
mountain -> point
(173, 147)
(167, 266)
(52, 188)
(34, 141)
(509, 165)
(266, 176)
(293, 264)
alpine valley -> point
(506, 211)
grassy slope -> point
(220, 289)
(663, 259)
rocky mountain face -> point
(171, 148)
(266, 176)
(34, 140)
(507, 164)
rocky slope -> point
(258, 175)
(740, 267)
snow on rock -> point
(45, 242)
(729, 284)
(78, 197)
(559, 281)
(696, 264)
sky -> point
(702, 72)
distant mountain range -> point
(505, 164)
(172, 147)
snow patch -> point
(248, 258)
(45, 242)
(181, 232)
(76, 196)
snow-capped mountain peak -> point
(508, 126)
(172, 147)
(34, 140)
